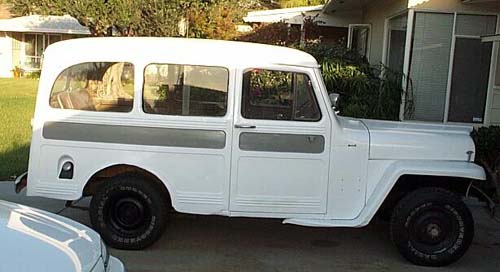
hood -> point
(418, 141)
(35, 240)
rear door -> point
(281, 138)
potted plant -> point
(17, 71)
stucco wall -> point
(5, 55)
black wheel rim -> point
(127, 214)
(433, 229)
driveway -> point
(213, 243)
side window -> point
(189, 90)
(277, 95)
(95, 86)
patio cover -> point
(44, 24)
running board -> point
(329, 223)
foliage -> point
(127, 17)
(487, 140)
(300, 3)
(215, 19)
(366, 91)
(276, 34)
(33, 75)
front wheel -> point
(129, 212)
(432, 227)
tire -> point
(129, 212)
(432, 227)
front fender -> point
(385, 174)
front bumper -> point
(115, 265)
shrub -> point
(487, 140)
(366, 91)
(33, 75)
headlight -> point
(104, 253)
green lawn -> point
(17, 104)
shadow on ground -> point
(14, 161)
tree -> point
(216, 19)
(127, 17)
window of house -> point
(278, 95)
(359, 39)
(95, 86)
(450, 66)
(430, 63)
(188, 90)
(396, 42)
(34, 46)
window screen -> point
(277, 95)
(95, 86)
(476, 25)
(430, 61)
(471, 71)
(189, 90)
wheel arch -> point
(402, 177)
(100, 175)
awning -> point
(44, 24)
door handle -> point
(244, 126)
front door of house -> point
(281, 139)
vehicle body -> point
(222, 128)
(35, 240)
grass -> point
(17, 105)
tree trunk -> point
(113, 80)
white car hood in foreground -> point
(403, 140)
(34, 240)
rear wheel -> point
(432, 227)
(129, 212)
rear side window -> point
(95, 86)
(278, 95)
(189, 90)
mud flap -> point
(21, 182)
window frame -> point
(314, 92)
(134, 98)
(350, 37)
(228, 84)
(408, 49)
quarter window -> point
(278, 95)
(95, 86)
(189, 90)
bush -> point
(366, 91)
(487, 140)
(33, 75)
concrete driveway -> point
(213, 243)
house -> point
(454, 72)
(24, 39)
(330, 28)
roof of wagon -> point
(175, 50)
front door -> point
(281, 142)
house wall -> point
(5, 55)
